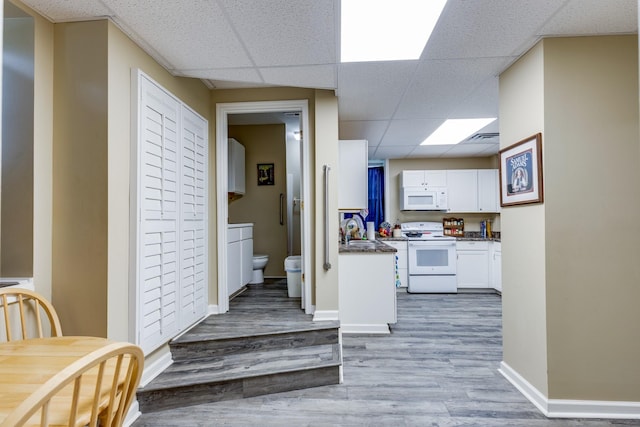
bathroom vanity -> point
(366, 287)
(239, 256)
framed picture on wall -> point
(265, 174)
(521, 172)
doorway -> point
(224, 114)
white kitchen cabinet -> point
(472, 264)
(423, 178)
(462, 190)
(472, 190)
(488, 191)
(496, 266)
(236, 167)
(353, 175)
(402, 262)
(367, 295)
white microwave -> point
(423, 199)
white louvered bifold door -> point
(171, 237)
(193, 219)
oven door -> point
(432, 257)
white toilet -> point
(259, 263)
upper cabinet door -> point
(353, 175)
(236, 164)
(423, 178)
(462, 188)
(488, 191)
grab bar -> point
(281, 209)
(327, 264)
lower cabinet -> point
(402, 262)
(367, 296)
(472, 264)
(239, 256)
(496, 266)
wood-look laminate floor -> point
(438, 367)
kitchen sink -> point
(362, 244)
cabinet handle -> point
(327, 264)
(281, 209)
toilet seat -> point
(259, 256)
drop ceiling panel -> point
(481, 102)
(313, 76)
(429, 151)
(396, 152)
(594, 17)
(69, 10)
(372, 91)
(192, 35)
(372, 131)
(406, 132)
(441, 86)
(282, 32)
(487, 28)
(246, 75)
(467, 150)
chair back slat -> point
(111, 373)
(25, 315)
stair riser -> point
(200, 350)
(237, 389)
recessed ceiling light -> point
(386, 30)
(453, 131)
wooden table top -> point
(27, 364)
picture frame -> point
(266, 174)
(520, 172)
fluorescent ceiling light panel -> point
(453, 131)
(386, 30)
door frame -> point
(222, 155)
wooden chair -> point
(95, 390)
(28, 308)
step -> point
(195, 348)
(242, 375)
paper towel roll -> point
(371, 230)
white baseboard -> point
(323, 315)
(213, 309)
(155, 368)
(133, 414)
(382, 328)
(563, 408)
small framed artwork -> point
(521, 172)
(265, 174)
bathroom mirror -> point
(16, 185)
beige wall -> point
(570, 265)
(91, 158)
(523, 229)
(395, 215)
(592, 251)
(260, 205)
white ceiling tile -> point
(466, 150)
(487, 28)
(594, 17)
(69, 10)
(246, 75)
(439, 87)
(395, 152)
(372, 131)
(191, 35)
(281, 32)
(429, 151)
(313, 76)
(406, 132)
(372, 90)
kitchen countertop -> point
(478, 239)
(365, 246)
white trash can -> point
(293, 267)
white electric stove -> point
(432, 258)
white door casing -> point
(222, 110)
